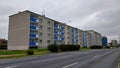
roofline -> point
(50, 19)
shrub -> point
(69, 47)
(96, 47)
(53, 48)
(34, 47)
(118, 45)
(77, 47)
(63, 48)
(107, 47)
(30, 52)
(3, 46)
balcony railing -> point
(32, 43)
(33, 35)
(33, 19)
(56, 38)
(62, 28)
(62, 38)
(62, 33)
(33, 27)
(55, 26)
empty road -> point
(102, 58)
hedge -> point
(53, 48)
(30, 52)
(69, 47)
(96, 47)
(3, 46)
(107, 47)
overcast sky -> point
(102, 16)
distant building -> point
(114, 42)
(88, 39)
(104, 41)
(96, 38)
(3, 42)
(84, 38)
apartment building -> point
(104, 41)
(96, 38)
(59, 33)
(84, 39)
(114, 42)
(28, 29)
(68, 34)
(88, 39)
(80, 37)
(3, 42)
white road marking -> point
(40, 61)
(70, 65)
(85, 52)
(106, 52)
(96, 56)
(11, 66)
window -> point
(67, 32)
(48, 22)
(67, 37)
(40, 27)
(40, 20)
(68, 28)
(48, 41)
(31, 40)
(40, 33)
(68, 42)
(40, 41)
(49, 35)
(48, 28)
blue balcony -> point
(72, 30)
(76, 40)
(62, 38)
(72, 36)
(33, 19)
(32, 35)
(55, 32)
(62, 28)
(76, 37)
(32, 27)
(55, 26)
(56, 38)
(62, 33)
(72, 40)
(32, 43)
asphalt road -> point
(103, 58)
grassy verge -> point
(21, 53)
(119, 65)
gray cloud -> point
(100, 15)
(107, 20)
